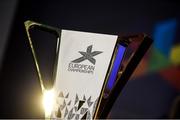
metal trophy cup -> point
(87, 71)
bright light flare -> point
(48, 102)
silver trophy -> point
(89, 71)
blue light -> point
(164, 35)
(116, 66)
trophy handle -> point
(127, 72)
(57, 32)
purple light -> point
(116, 66)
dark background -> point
(20, 93)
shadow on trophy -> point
(81, 74)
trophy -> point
(88, 72)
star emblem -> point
(88, 55)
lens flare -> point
(48, 101)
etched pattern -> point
(78, 108)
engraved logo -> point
(88, 55)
